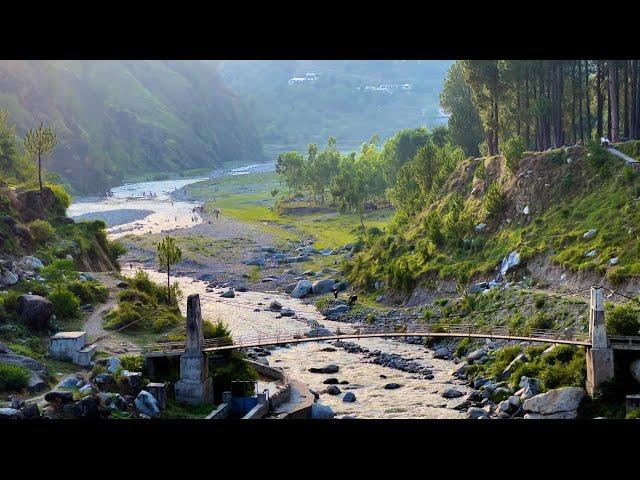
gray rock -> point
(613, 261)
(113, 364)
(31, 411)
(392, 386)
(35, 311)
(322, 286)
(333, 390)
(510, 261)
(506, 373)
(442, 353)
(303, 288)
(338, 310)
(88, 407)
(86, 390)
(287, 312)
(7, 278)
(478, 287)
(554, 401)
(255, 261)
(290, 288)
(591, 253)
(476, 355)
(275, 305)
(349, 397)
(331, 368)
(228, 294)
(104, 379)
(570, 415)
(134, 379)
(147, 404)
(452, 393)
(342, 285)
(588, 235)
(320, 411)
(56, 396)
(331, 381)
(30, 263)
(480, 227)
(475, 413)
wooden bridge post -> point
(195, 386)
(599, 356)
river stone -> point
(331, 381)
(554, 401)
(30, 263)
(392, 386)
(476, 355)
(331, 368)
(349, 397)
(441, 353)
(147, 404)
(475, 412)
(287, 312)
(228, 294)
(290, 288)
(337, 310)
(35, 311)
(333, 390)
(452, 393)
(302, 289)
(275, 305)
(320, 411)
(322, 286)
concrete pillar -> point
(599, 356)
(195, 386)
(159, 391)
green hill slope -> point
(119, 119)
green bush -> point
(622, 320)
(59, 270)
(89, 291)
(540, 321)
(42, 231)
(133, 363)
(512, 149)
(494, 201)
(13, 377)
(63, 199)
(65, 303)
(216, 330)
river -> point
(417, 397)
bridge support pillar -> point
(195, 386)
(599, 356)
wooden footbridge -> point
(289, 337)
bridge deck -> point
(302, 336)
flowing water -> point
(417, 398)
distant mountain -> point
(119, 119)
(296, 102)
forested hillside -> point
(351, 100)
(118, 119)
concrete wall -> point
(277, 374)
(65, 348)
(223, 411)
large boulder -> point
(337, 310)
(38, 370)
(113, 363)
(228, 294)
(58, 397)
(7, 278)
(321, 412)
(506, 373)
(35, 311)
(88, 407)
(554, 401)
(476, 355)
(333, 390)
(303, 288)
(452, 393)
(30, 263)
(323, 286)
(290, 288)
(147, 404)
(442, 353)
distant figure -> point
(335, 292)
(353, 299)
(144, 194)
(217, 212)
(131, 266)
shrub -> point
(512, 149)
(63, 199)
(623, 320)
(13, 377)
(89, 292)
(59, 270)
(133, 363)
(65, 303)
(494, 200)
(42, 231)
(216, 330)
(540, 321)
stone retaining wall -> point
(277, 374)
